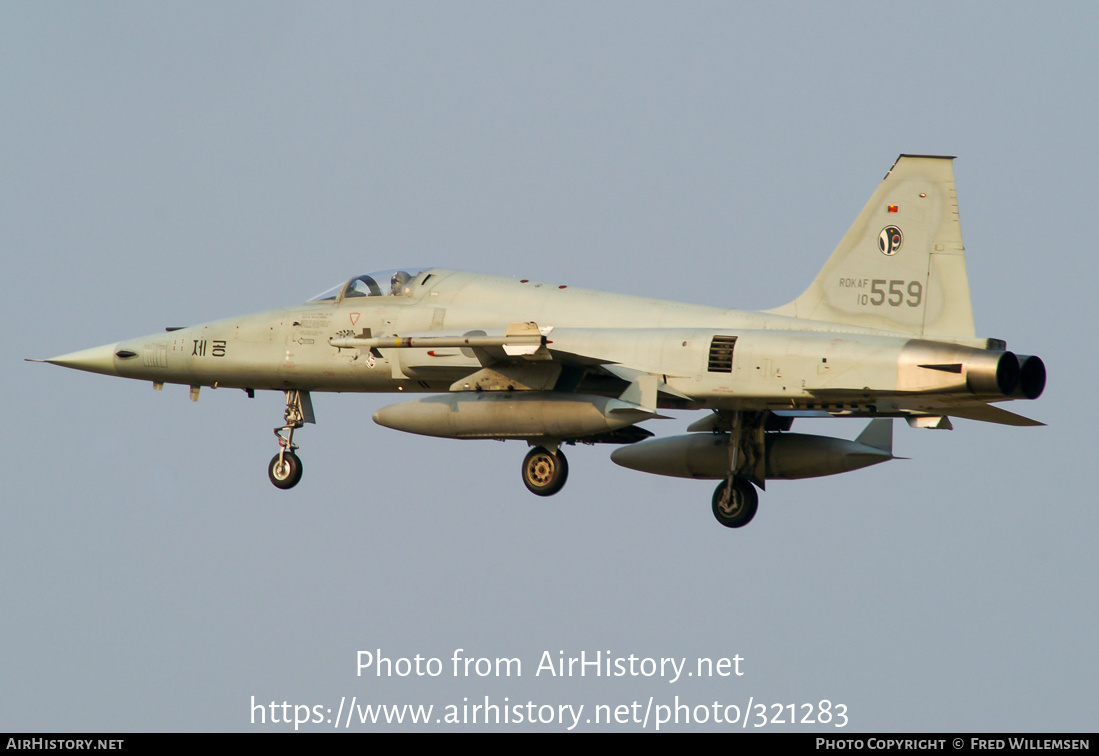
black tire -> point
(737, 509)
(545, 473)
(288, 473)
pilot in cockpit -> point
(397, 285)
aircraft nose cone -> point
(95, 360)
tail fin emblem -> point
(889, 240)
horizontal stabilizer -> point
(990, 414)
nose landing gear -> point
(285, 468)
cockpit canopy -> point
(394, 282)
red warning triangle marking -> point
(354, 318)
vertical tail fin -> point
(901, 265)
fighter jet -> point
(884, 331)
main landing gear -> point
(735, 499)
(545, 471)
(735, 502)
(286, 468)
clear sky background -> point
(171, 163)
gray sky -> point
(167, 164)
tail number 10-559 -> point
(899, 293)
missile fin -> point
(878, 434)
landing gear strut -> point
(545, 472)
(285, 468)
(735, 499)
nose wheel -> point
(285, 467)
(545, 472)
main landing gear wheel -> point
(285, 470)
(736, 506)
(545, 473)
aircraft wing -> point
(833, 401)
(526, 357)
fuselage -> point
(770, 361)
